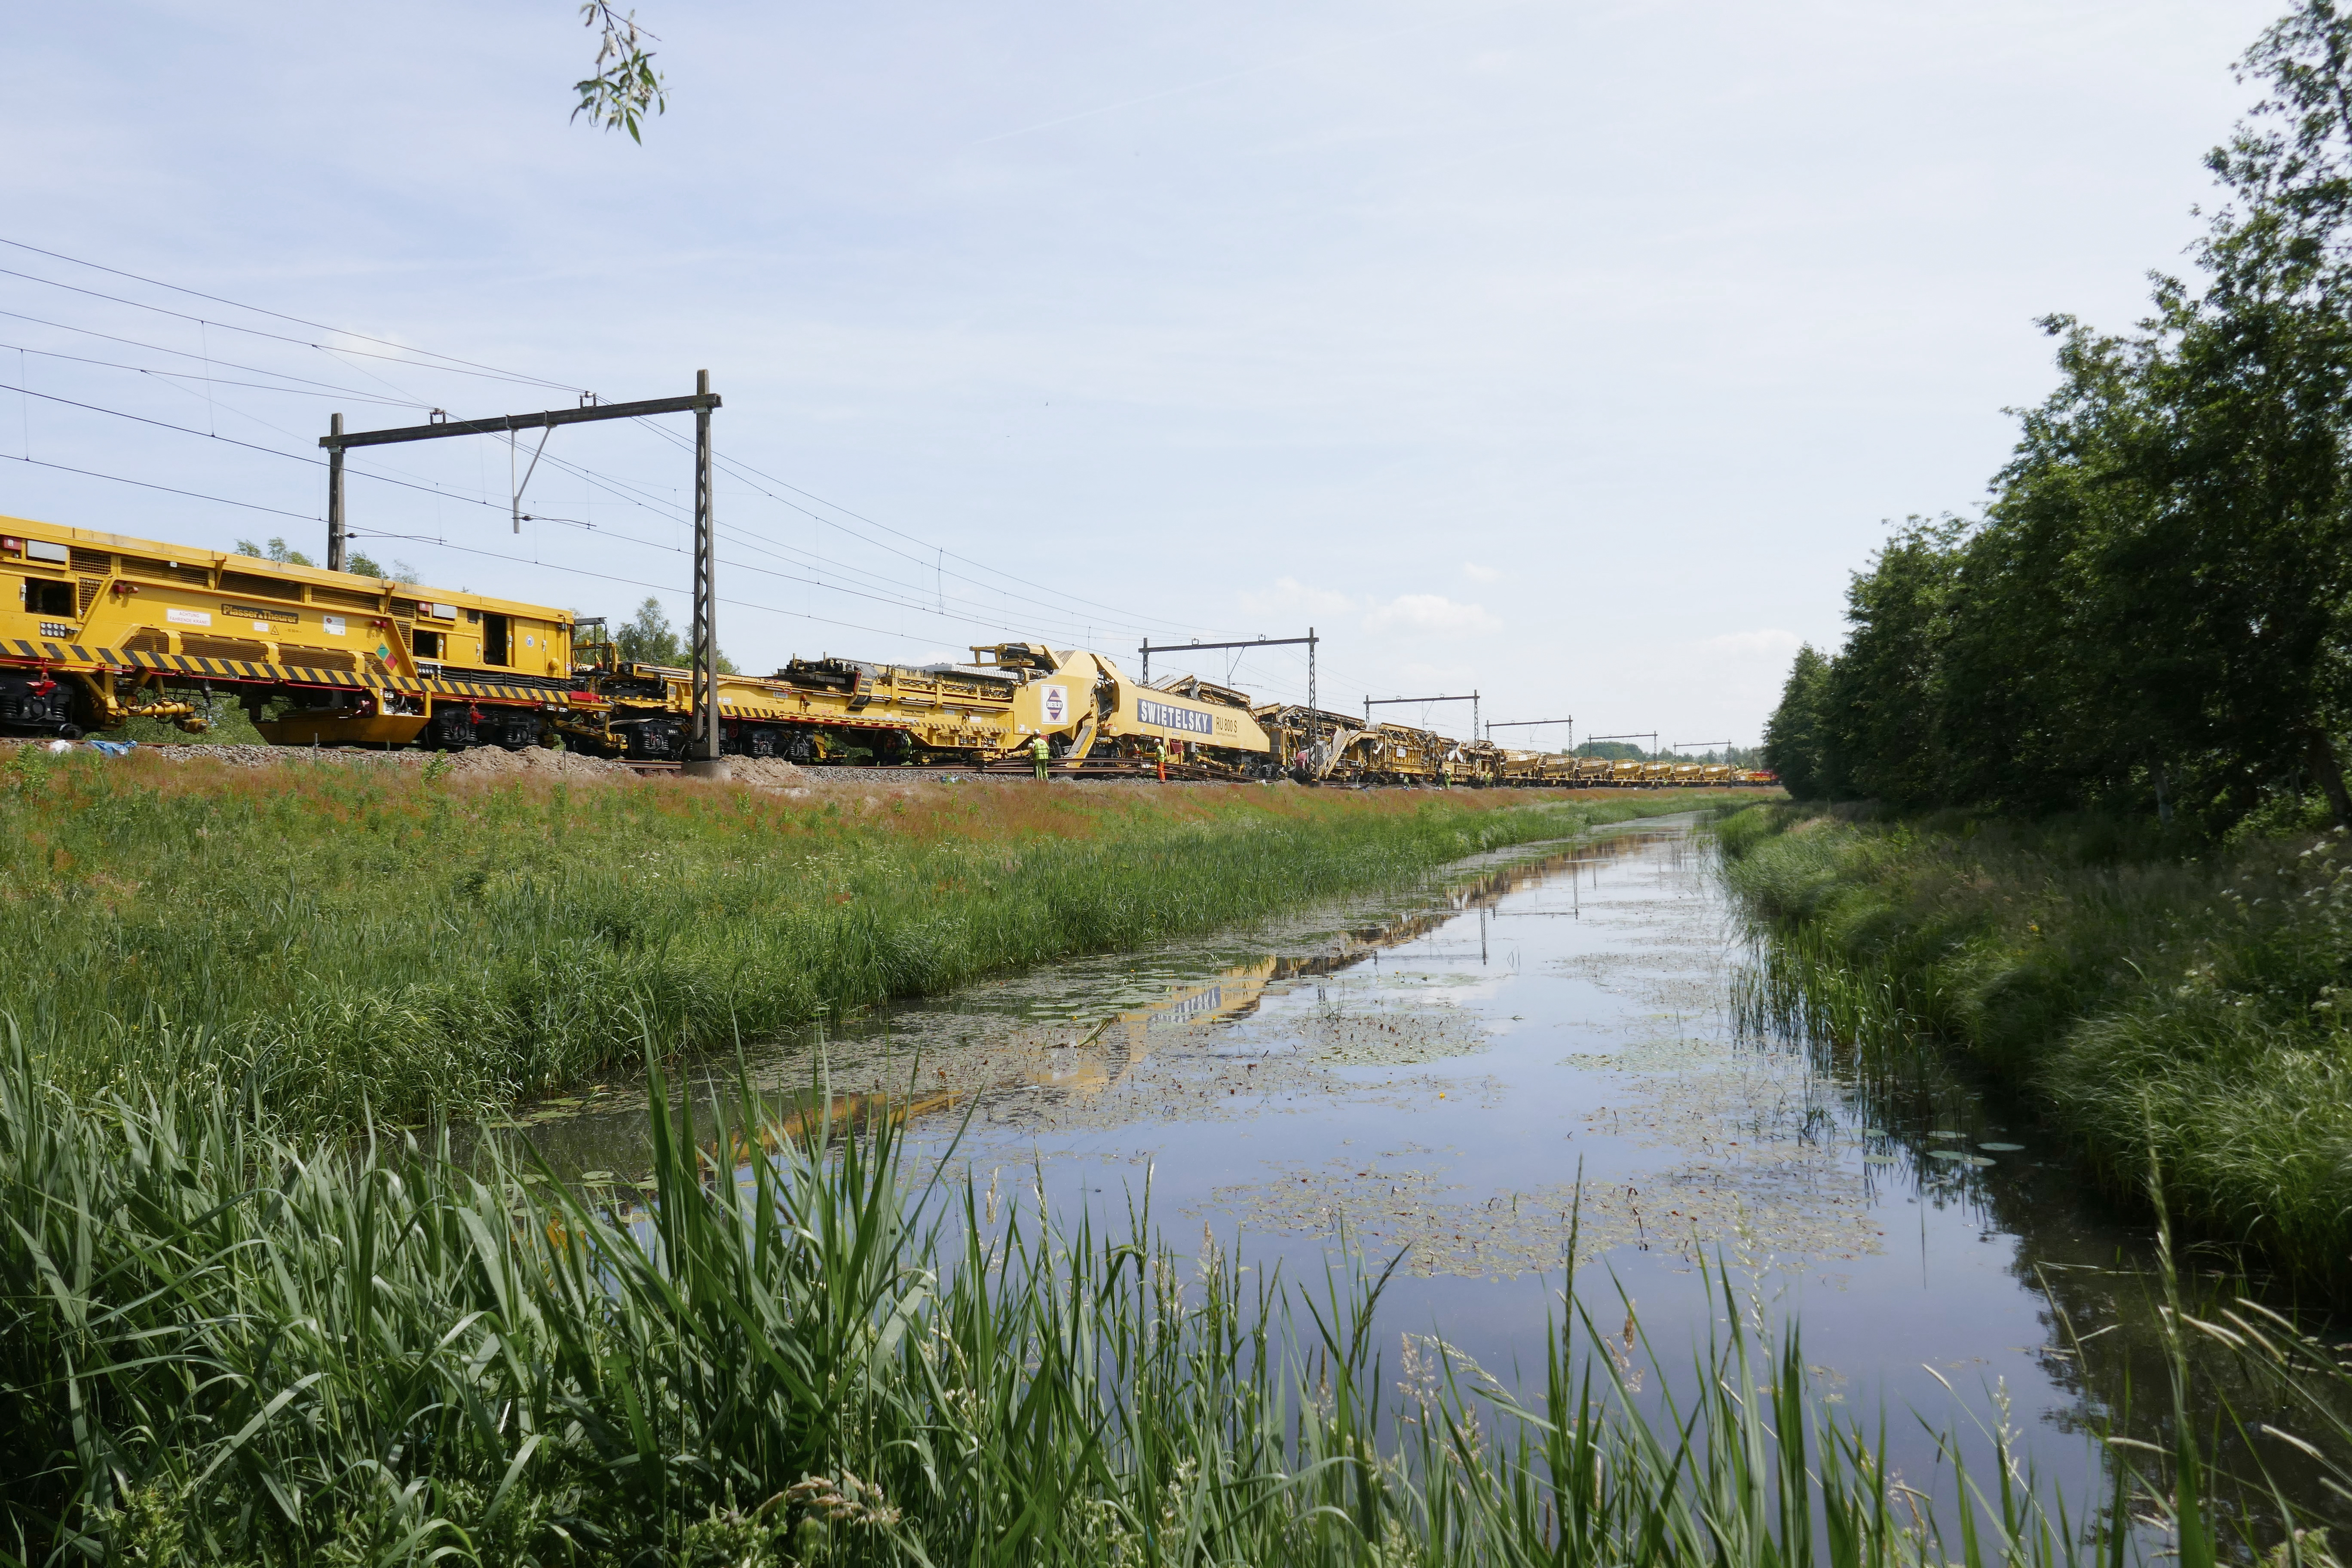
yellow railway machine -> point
(103, 628)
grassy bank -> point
(217, 1347)
(2184, 1013)
(441, 942)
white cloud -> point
(1429, 613)
(1477, 573)
(1289, 594)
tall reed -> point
(220, 1346)
(2173, 1014)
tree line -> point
(2151, 613)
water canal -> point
(1452, 1071)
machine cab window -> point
(45, 599)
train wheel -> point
(449, 729)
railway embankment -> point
(416, 939)
(2187, 1017)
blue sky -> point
(1572, 352)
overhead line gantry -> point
(1471, 699)
(1311, 639)
(702, 745)
(1531, 724)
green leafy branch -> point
(625, 85)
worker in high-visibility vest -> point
(1163, 759)
(1039, 749)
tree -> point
(1793, 735)
(2252, 377)
(1877, 709)
(647, 637)
(274, 550)
(2156, 608)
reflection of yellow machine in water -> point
(1061, 1058)
(1072, 1061)
(1131, 1036)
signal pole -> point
(703, 756)
(336, 539)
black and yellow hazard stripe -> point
(442, 686)
(73, 654)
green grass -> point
(220, 1347)
(2168, 1013)
(358, 938)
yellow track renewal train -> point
(96, 629)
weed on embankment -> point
(2184, 1014)
(375, 938)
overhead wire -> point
(747, 473)
(409, 357)
(384, 478)
(611, 487)
(262, 311)
(210, 380)
(450, 361)
(169, 489)
(416, 358)
(167, 349)
(780, 550)
(276, 337)
(606, 577)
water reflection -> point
(1464, 1072)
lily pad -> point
(1874, 1132)
(2002, 1148)
(1880, 1160)
(1947, 1134)
(595, 1175)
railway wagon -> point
(840, 710)
(1313, 744)
(812, 710)
(1523, 767)
(1479, 762)
(1557, 771)
(1317, 746)
(101, 628)
(1390, 755)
